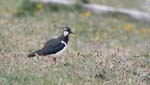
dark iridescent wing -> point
(51, 49)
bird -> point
(55, 46)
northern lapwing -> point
(54, 46)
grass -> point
(104, 51)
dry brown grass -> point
(104, 50)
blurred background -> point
(111, 44)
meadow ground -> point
(105, 50)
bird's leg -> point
(54, 59)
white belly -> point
(60, 53)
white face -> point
(66, 33)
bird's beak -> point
(72, 32)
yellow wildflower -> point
(128, 27)
(15, 11)
(87, 13)
(39, 6)
(5, 11)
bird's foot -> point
(54, 61)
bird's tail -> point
(32, 54)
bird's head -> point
(66, 31)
